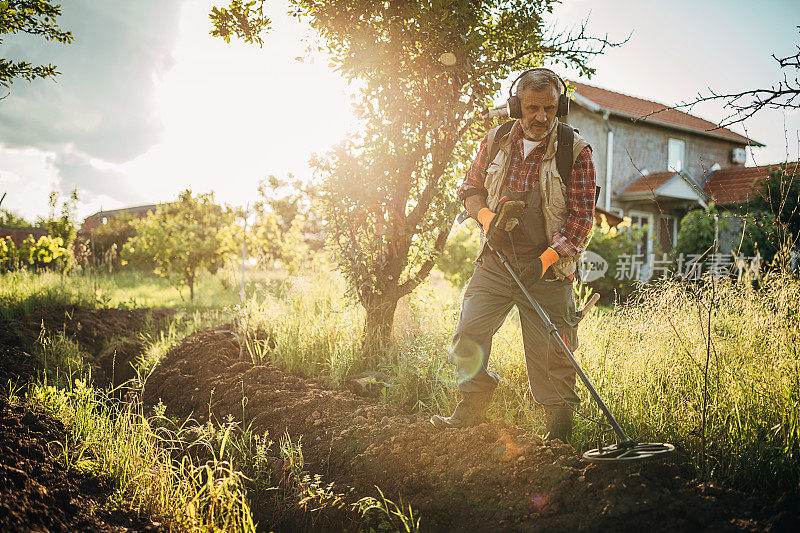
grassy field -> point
(726, 394)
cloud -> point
(94, 180)
(103, 102)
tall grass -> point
(149, 464)
(647, 358)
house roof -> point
(626, 106)
(734, 185)
(649, 183)
(115, 212)
(666, 185)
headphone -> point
(515, 106)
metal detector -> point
(626, 449)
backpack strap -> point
(564, 160)
(492, 148)
(497, 133)
(566, 138)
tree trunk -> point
(190, 282)
(378, 326)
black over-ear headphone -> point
(515, 107)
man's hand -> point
(536, 269)
(506, 220)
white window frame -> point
(672, 145)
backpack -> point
(564, 161)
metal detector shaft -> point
(553, 331)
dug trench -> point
(38, 491)
(487, 478)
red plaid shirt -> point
(524, 174)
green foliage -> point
(425, 71)
(778, 197)
(34, 17)
(243, 19)
(461, 249)
(45, 253)
(9, 255)
(183, 237)
(698, 230)
(9, 219)
(287, 226)
(747, 232)
(611, 243)
(107, 241)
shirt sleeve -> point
(476, 175)
(580, 206)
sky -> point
(149, 104)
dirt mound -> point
(107, 335)
(490, 477)
(39, 494)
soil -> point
(486, 478)
(38, 494)
(108, 336)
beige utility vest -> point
(553, 190)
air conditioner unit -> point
(738, 156)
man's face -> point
(538, 112)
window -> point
(675, 149)
(105, 220)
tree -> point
(183, 237)
(425, 72)
(60, 224)
(777, 199)
(107, 240)
(34, 17)
(287, 227)
(9, 219)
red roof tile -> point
(649, 183)
(636, 107)
(734, 185)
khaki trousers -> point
(488, 299)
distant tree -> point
(287, 225)
(60, 223)
(107, 240)
(9, 219)
(183, 237)
(461, 249)
(34, 17)
(779, 196)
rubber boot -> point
(559, 422)
(470, 411)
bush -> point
(9, 255)
(611, 243)
(46, 253)
(461, 249)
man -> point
(543, 249)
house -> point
(92, 222)
(653, 163)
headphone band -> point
(563, 84)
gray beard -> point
(535, 136)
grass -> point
(647, 358)
(730, 403)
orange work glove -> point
(539, 266)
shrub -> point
(611, 243)
(462, 247)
